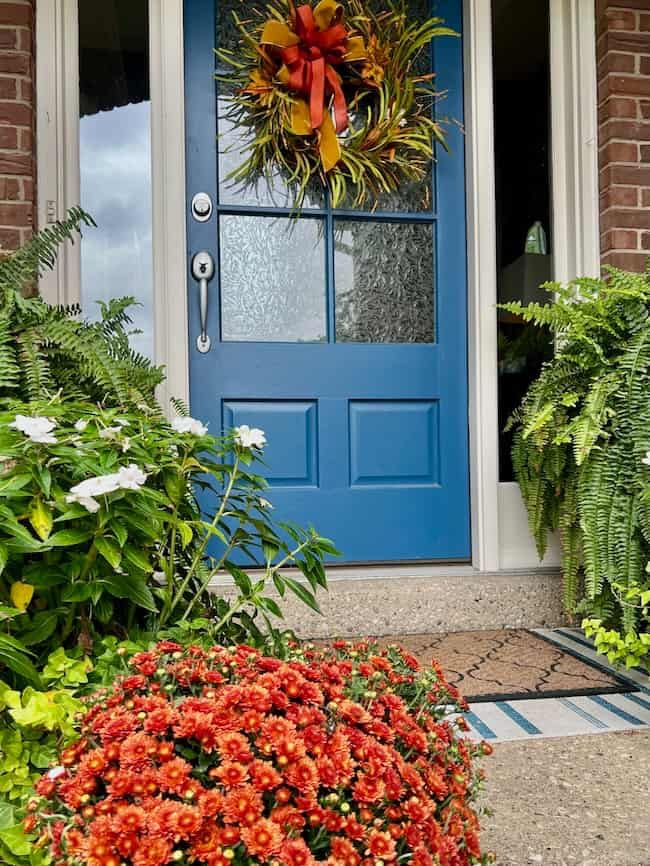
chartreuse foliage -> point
(580, 438)
(44, 349)
(33, 727)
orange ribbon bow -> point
(310, 49)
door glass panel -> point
(115, 159)
(524, 214)
(233, 139)
(272, 279)
(383, 275)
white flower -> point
(127, 478)
(56, 772)
(122, 422)
(130, 477)
(38, 429)
(646, 459)
(80, 425)
(109, 432)
(183, 424)
(84, 493)
(126, 444)
(249, 437)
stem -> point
(205, 582)
(201, 550)
(231, 612)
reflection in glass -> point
(272, 279)
(115, 158)
(522, 164)
(383, 273)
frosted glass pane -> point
(384, 275)
(272, 279)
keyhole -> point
(203, 267)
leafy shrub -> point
(34, 726)
(101, 532)
(580, 437)
(44, 349)
(228, 756)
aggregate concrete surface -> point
(569, 801)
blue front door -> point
(342, 334)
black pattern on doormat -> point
(511, 664)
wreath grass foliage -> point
(392, 130)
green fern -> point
(580, 435)
(45, 349)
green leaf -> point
(7, 818)
(16, 840)
(104, 609)
(302, 592)
(137, 558)
(4, 555)
(14, 655)
(78, 591)
(69, 537)
(42, 626)
(120, 531)
(270, 605)
(13, 483)
(110, 551)
(44, 478)
(132, 587)
(185, 532)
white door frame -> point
(500, 539)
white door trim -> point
(500, 539)
(57, 136)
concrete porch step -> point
(386, 601)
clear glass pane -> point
(524, 212)
(272, 279)
(115, 158)
(233, 140)
(413, 195)
(384, 273)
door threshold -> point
(395, 571)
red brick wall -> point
(17, 122)
(623, 52)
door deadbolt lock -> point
(203, 271)
(201, 207)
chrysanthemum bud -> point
(229, 854)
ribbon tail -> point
(328, 144)
(340, 107)
(317, 91)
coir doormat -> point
(509, 664)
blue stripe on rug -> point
(597, 723)
(637, 700)
(479, 726)
(612, 708)
(517, 717)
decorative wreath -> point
(333, 92)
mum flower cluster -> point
(337, 757)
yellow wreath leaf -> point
(326, 12)
(279, 34)
(300, 118)
(328, 143)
